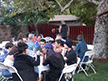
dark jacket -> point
(25, 66)
(56, 65)
(71, 57)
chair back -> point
(90, 54)
(13, 70)
(2, 66)
(69, 68)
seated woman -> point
(25, 63)
(55, 62)
(9, 61)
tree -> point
(29, 11)
(68, 3)
(101, 31)
(101, 25)
(84, 10)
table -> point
(41, 67)
(90, 47)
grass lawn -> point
(101, 75)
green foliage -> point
(84, 10)
(23, 12)
(13, 21)
(82, 38)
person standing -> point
(64, 30)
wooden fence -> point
(45, 29)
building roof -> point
(63, 17)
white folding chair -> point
(13, 70)
(70, 68)
(90, 54)
(2, 66)
(90, 47)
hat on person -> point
(69, 43)
(79, 37)
(48, 46)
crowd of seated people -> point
(56, 55)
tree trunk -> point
(101, 31)
(35, 25)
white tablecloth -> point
(41, 68)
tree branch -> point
(67, 5)
(59, 4)
(94, 1)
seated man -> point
(70, 55)
(8, 47)
(30, 43)
(38, 47)
(59, 36)
(81, 48)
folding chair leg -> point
(19, 77)
(93, 69)
(60, 77)
(84, 71)
(92, 65)
(73, 74)
(72, 77)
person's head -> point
(48, 50)
(27, 34)
(9, 46)
(39, 37)
(63, 22)
(34, 33)
(31, 37)
(53, 30)
(59, 43)
(58, 36)
(42, 43)
(79, 37)
(68, 44)
(13, 50)
(20, 36)
(23, 48)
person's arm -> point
(63, 52)
(60, 29)
(33, 61)
(43, 58)
(68, 31)
(58, 50)
(46, 62)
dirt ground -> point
(100, 60)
